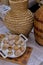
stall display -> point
(16, 22)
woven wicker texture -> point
(38, 26)
(19, 19)
(6, 2)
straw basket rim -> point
(11, 1)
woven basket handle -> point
(25, 39)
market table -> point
(37, 54)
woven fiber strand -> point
(19, 19)
(6, 2)
(38, 26)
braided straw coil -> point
(19, 19)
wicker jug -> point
(19, 19)
(38, 25)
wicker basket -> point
(19, 19)
(38, 26)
